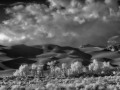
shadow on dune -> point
(15, 63)
(22, 51)
(1, 68)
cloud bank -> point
(64, 22)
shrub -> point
(15, 87)
(3, 87)
(22, 88)
(59, 87)
(71, 88)
(50, 86)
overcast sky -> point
(81, 22)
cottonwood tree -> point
(76, 67)
(40, 70)
(34, 69)
(52, 67)
(16, 73)
(106, 65)
(22, 71)
(107, 68)
(69, 72)
(58, 71)
(64, 69)
(95, 66)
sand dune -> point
(14, 56)
(21, 54)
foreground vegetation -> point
(96, 76)
(88, 83)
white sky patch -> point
(4, 37)
(79, 20)
(90, 1)
(70, 34)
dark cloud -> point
(92, 21)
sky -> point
(63, 22)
